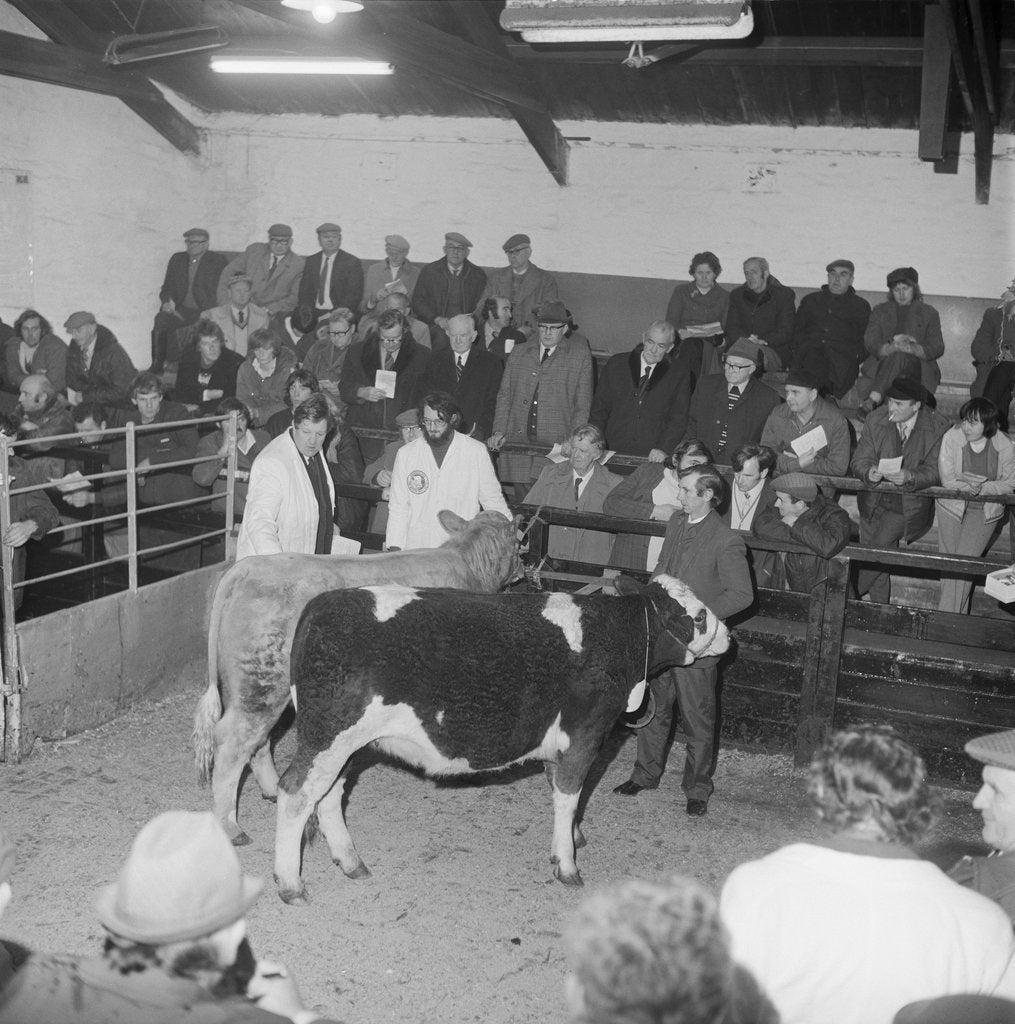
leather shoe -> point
(697, 808)
(629, 788)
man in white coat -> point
(291, 499)
(441, 469)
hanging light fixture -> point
(324, 11)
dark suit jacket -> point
(361, 365)
(632, 499)
(746, 421)
(635, 425)
(206, 279)
(188, 388)
(346, 281)
(430, 296)
(497, 346)
(475, 393)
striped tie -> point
(459, 368)
(732, 398)
(577, 491)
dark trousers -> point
(885, 371)
(998, 389)
(882, 530)
(692, 689)
(162, 331)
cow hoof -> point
(360, 871)
(241, 839)
(579, 838)
(575, 880)
(294, 897)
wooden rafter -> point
(936, 85)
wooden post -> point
(825, 627)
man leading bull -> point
(706, 555)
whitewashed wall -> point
(110, 198)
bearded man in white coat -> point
(441, 469)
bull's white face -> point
(714, 638)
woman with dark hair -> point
(35, 349)
(650, 492)
(903, 339)
(215, 448)
(976, 458)
(852, 927)
(697, 310)
(207, 370)
(299, 386)
(260, 381)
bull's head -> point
(489, 543)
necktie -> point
(903, 432)
(388, 361)
(241, 318)
(643, 383)
(321, 298)
(460, 368)
(577, 491)
(731, 399)
(274, 264)
(545, 355)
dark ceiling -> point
(941, 67)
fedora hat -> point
(182, 880)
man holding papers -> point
(899, 449)
(808, 433)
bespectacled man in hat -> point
(522, 283)
(175, 943)
(332, 277)
(189, 287)
(274, 270)
(448, 287)
(903, 428)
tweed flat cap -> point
(745, 349)
(903, 275)
(516, 241)
(996, 748)
(198, 234)
(835, 264)
(454, 238)
(396, 242)
(408, 418)
(79, 319)
(796, 485)
(907, 390)
(280, 231)
(327, 226)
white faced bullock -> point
(257, 605)
(458, 683)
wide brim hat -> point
(552, 313)
(996, 748)
(182, 880)
(802, 379)
(906, 389)
(746, 349)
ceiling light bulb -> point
(323, 12)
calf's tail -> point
(209, 707)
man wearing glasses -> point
(641, 401)
(448, 287)
(274, 270)
(730, 409)
(545, 395)
(523, 284)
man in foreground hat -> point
(448, 287)
(522, 283)
(808, 432)
(175, 946)
(994, 875)
(829, 329)
(189, 287)
(238, 317)
(274, 270)
(800, 515)
(393, 275)
(332, 277)
(902, 429)
(730, 409)
(98, 368)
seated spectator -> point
(32, 514)
(527, 285)
(394, 274)
(752, 486)
(801, 516)
(326, 357)
(367, 329)
(993, 350)
(214, 447)
(299, 386)
(903, 339)
(98, 369)
(852, 928)
(303, 328)
(640, 402)
(829, 329)
(902, 428)
(497, 333)
(260, 380)
(175, 946)
(582, 483)
(43, 412)
(698, 311)
(807, 432)
(657, 953)
(274, 270)
(447, 287)
(763, 310)
(238, 318)
(154, 447)
(650, 492)
(207, 370)
(975, 458)
(35, 349)
(378, 473)
(91, 422)
(731, 408)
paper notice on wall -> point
(810, 443)
(385, 381)
(887, 466)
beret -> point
(280, 231)
(848, 264)
(199, 233)
(796, 485)
(515, 241)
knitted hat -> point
(996, 748)
(903, 275)
(797, 485)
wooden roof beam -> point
(935, 86)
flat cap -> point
(396, 242)
(996, 748)
(906, 389)
(239, 278)
(552, 313)
(327, 226)
(516, 241)
(796, 485)
(903, 275)
(199, 234)
(79, 319)
(846, 264)
(802, 379)
(454, 238)
(745, 349)
(408, 418)
(280, 231)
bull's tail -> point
(209, 707)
